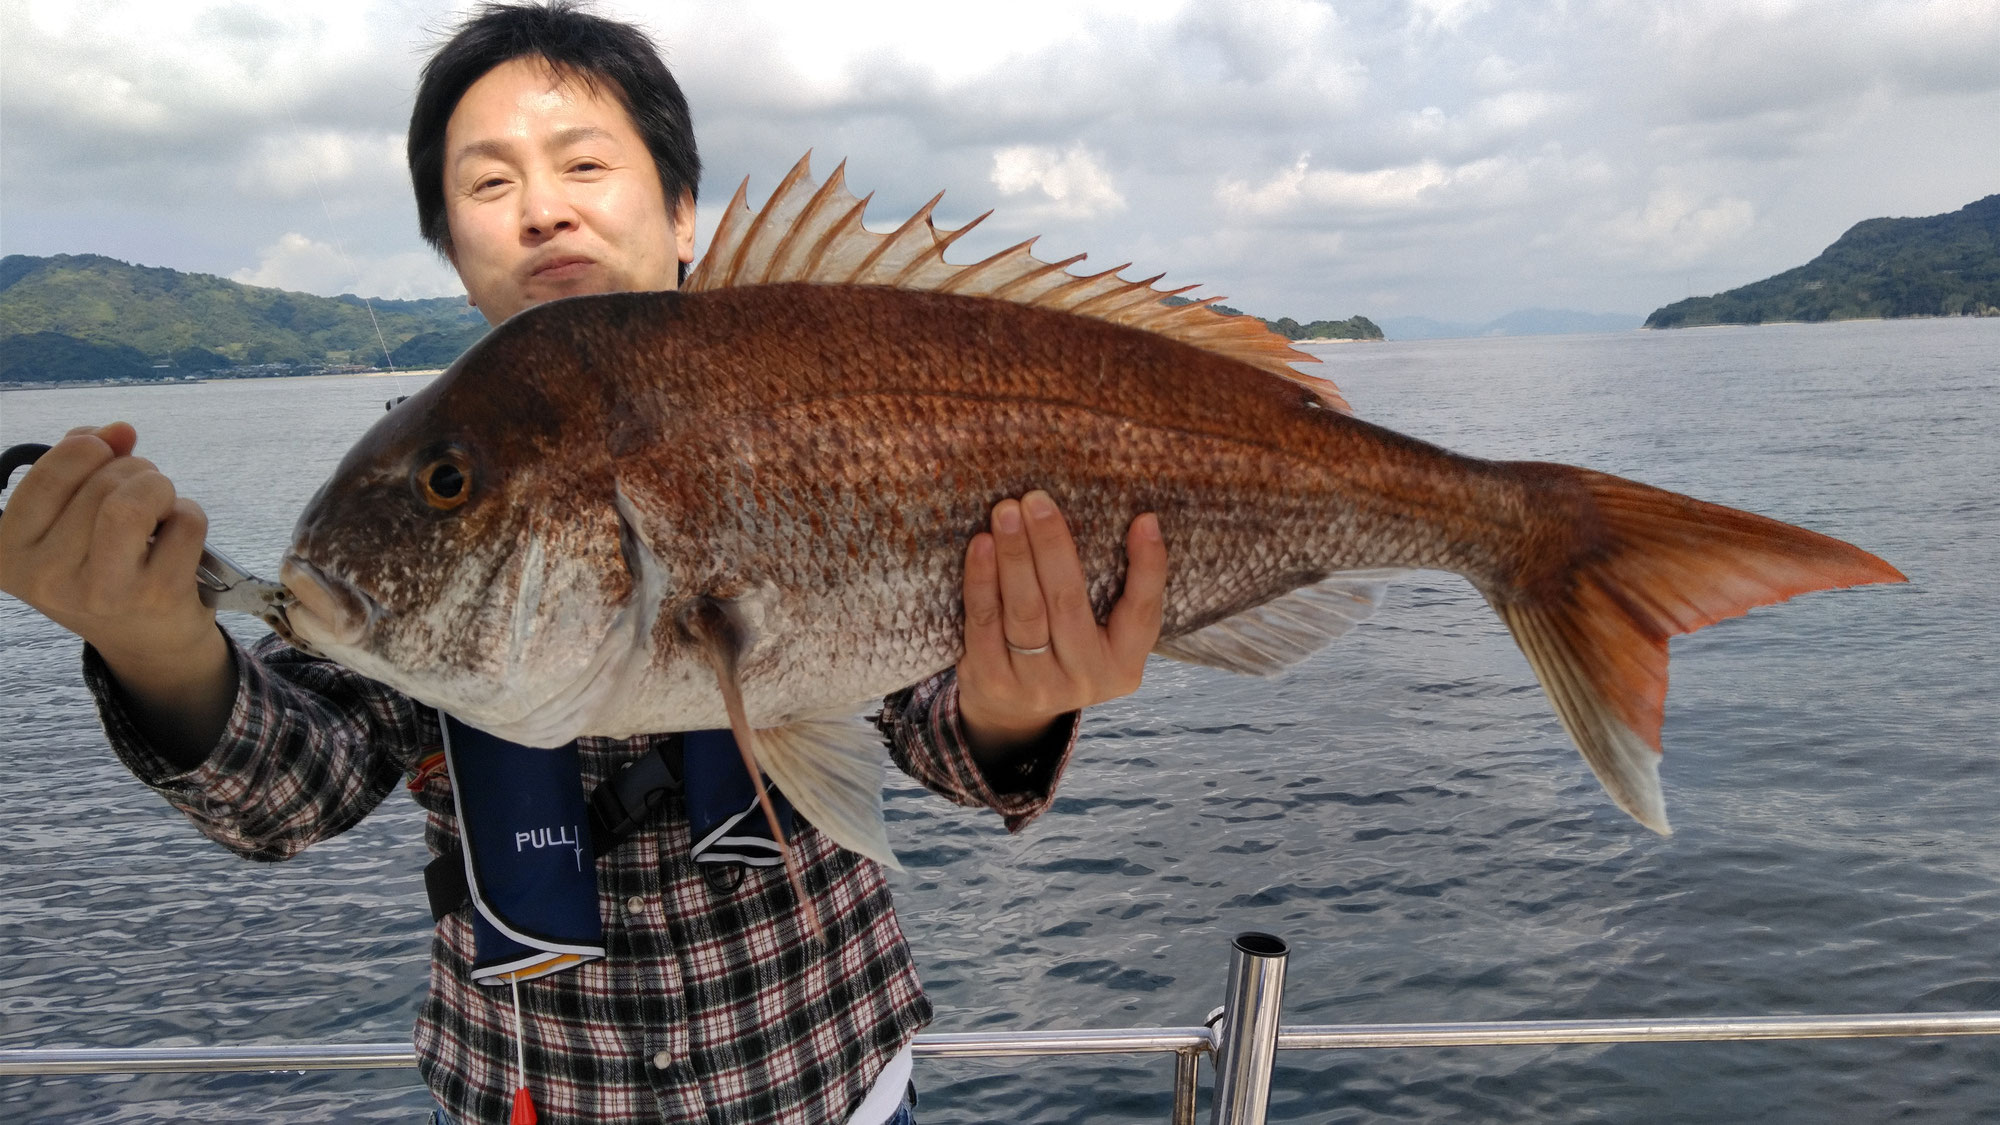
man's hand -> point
(97, 540)
(1033, 649)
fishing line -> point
(340, 249)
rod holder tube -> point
(1248, 1049)
(1187, 1084)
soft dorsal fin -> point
(812, 232)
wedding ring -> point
(1019, 651)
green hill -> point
(1942, 265)
(436, 349)
(193, 322)
(51, 357)
(1353, 328)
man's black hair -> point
(602, 52)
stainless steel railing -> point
(1243, 1037)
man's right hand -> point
(98, 540)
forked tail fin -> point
(1642, 565)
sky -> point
(1457, 159)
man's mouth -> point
(562, 268)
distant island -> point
(84, 318)
(1353, 328)
(1942, 265)
(87, 318)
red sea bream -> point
(625, 513)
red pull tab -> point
(524, 1109)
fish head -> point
(469, 550)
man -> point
(551, 155)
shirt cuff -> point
(1019, 789)
(221, 778)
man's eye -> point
(586, 166)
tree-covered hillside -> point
(1942, 265)
(51, 357)
(191, 322)
(1353, 328)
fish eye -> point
(445, 482)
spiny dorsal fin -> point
(812, 232)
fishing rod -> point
(221, 584)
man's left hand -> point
(1034, 651)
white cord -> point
(520, 1040)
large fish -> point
(748, 504)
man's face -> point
(550, 192)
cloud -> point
(1721, 60)
(1073, 182)
(1301, 186)
(1515, 111)
(1486, 125)
(1426, 186)
(304, 163)
(301, 264)
(179, 72)
(1677, 226)
(1462, 158)
(1433, 17)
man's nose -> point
(545, 208)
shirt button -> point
(635, 905)
(662, 1060)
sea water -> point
(1403, 807)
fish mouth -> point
(328, 609)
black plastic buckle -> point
(629, 800)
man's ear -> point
(684, 227)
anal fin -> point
(1286, 630)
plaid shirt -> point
(712, 1006)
